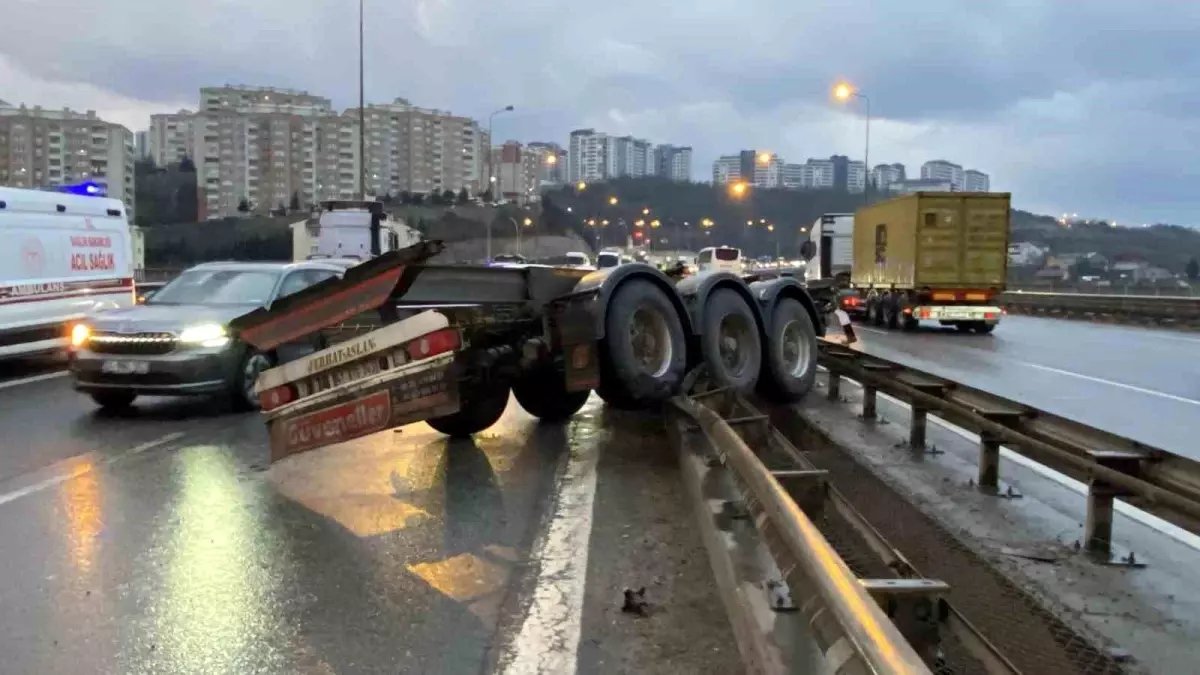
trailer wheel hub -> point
(732, 342)
(795, 349)
(651, 341)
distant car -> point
(578, 259)
(509, 259)
(177, 343)
(608, 259)
(720, 258)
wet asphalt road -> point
(160, 541)
(1140, 383)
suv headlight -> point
(205, 335)
(80, 333)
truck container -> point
(404, 341)
(936, 256)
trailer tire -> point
(477, 411)
(875, 311)
(543, 394)
(650, 371)
(984, 328)
(890, 312)
(730, 342)
(911, 323)
(790, 362)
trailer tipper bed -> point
(407, 342)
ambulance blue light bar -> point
(86, 188)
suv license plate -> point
(125, 367)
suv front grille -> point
(132, 343)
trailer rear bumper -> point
(986, 314)
(392, 398)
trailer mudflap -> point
(572, 330)
(582, 368)
(365, 287)
(428, 391)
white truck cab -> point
(833, 246)
(64, 256)
(342, 229)
(720, 259)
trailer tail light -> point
(906, 310)
(850, 301)
(944, 296)
(924, 313)
(278, 396)
(978, 297)
(991, 316)
(432, 344)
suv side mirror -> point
(808, 249)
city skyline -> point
(1021, 101)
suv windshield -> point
(218, 287)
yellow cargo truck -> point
(937, 256)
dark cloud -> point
(1088, 106)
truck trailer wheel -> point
(730, 343)
(890, 311)
(790, 363)
(478, 410)
(643, 356)
(543, 394)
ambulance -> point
(64, 256)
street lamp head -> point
(508, 108)
(842, 91)
(570, 210)
(764, 157)
(581, 186)
(646, 211)
(551, 160)
(738, 189)
(771, 228)
(749, 223)
(492, 179)
(528, 222)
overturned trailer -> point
(403, 341)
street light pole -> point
(490, 178)
(842, 92)
(362, 117)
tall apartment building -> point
(271, 147)
(883, 176)
(976, 181)
(941, 170)
(551, 160)
(792, 176)
(587, 153)
(819, 174)
(48, 148)
(593, 155)
(247, 99)
(727, 169)
(673, 163)
(768, 171)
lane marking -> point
(34, 378)
(871, 330)
(1133, 513)
(1122, 385)
(549, 637)
(81, 469)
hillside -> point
(793, 212)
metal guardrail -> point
(1149, 478)
(1182, 309)
(849, 631)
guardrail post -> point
(916, 429)
(835, 386)
(989, 461)
(868, 402)
(1097, 530)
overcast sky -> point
(1089, 106)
